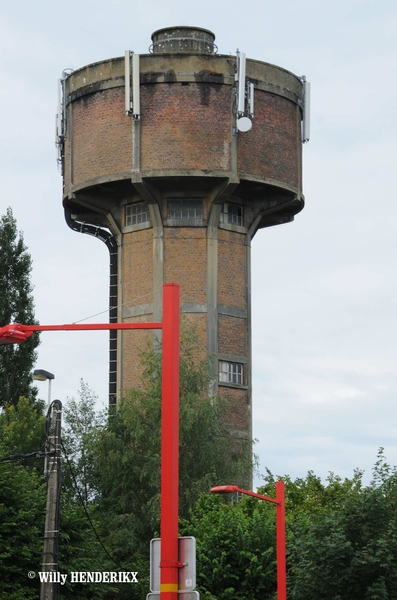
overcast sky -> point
(324, 286)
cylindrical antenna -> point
(136, 100)
(127, 75)
(251, 88)
(58, 133)
(241, 83)
(306, 111)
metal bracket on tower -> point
(240, 75)
(60, 120)
(60, 125)
(245, 95)
(132, 85)
(250, 99)
(306, 110)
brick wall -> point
(237, 414)
(232, 332)
(137, 273)
(185, 126)
(231, 269)
(137, 278)
(270, 149)
(185, 261)
(134, 343)
(102, 141)
(198, 323)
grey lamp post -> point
(49, 588)
(42, 375)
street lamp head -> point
(42, 375)
(225, 489)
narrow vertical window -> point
(235, 214)
(232, 214)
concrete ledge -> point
(232, 311)
(232, 358)
(193, 307)
(235, 386)
(239, 433)
(137, 311)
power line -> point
(30, 456)
(119, 305)
(85, 510)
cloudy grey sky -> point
(324, 287)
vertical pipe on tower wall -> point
(113, 256)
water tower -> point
(175, 159)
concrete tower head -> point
(157, 163)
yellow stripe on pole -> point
(168, 587)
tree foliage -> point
(22, 500)
(81, 426)
(341, 534)
(22, 506)
(22, 428)
(16, 306)
(116, 461)
(348, 549)
(128, 451)
(341, 540)
(235, 548)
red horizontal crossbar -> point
(228, 489)
(91, 326)
(17, 333)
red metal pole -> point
(281, 542)
(281, 547)
(170, 444)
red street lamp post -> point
(17, 334)
(169, 559)
(279, 501)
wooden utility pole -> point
(49, 588)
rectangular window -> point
(136, 213)
(232, 214)
(235, 214)
(230, 372)
(186, 209)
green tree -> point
(22, 512)
(22, 506)
(341, 540)
(80, 549)
(235, 548)
(16, 306)
(22, 428)
(126, 458)
(81, 426)
(22, 500)
(342, 536)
